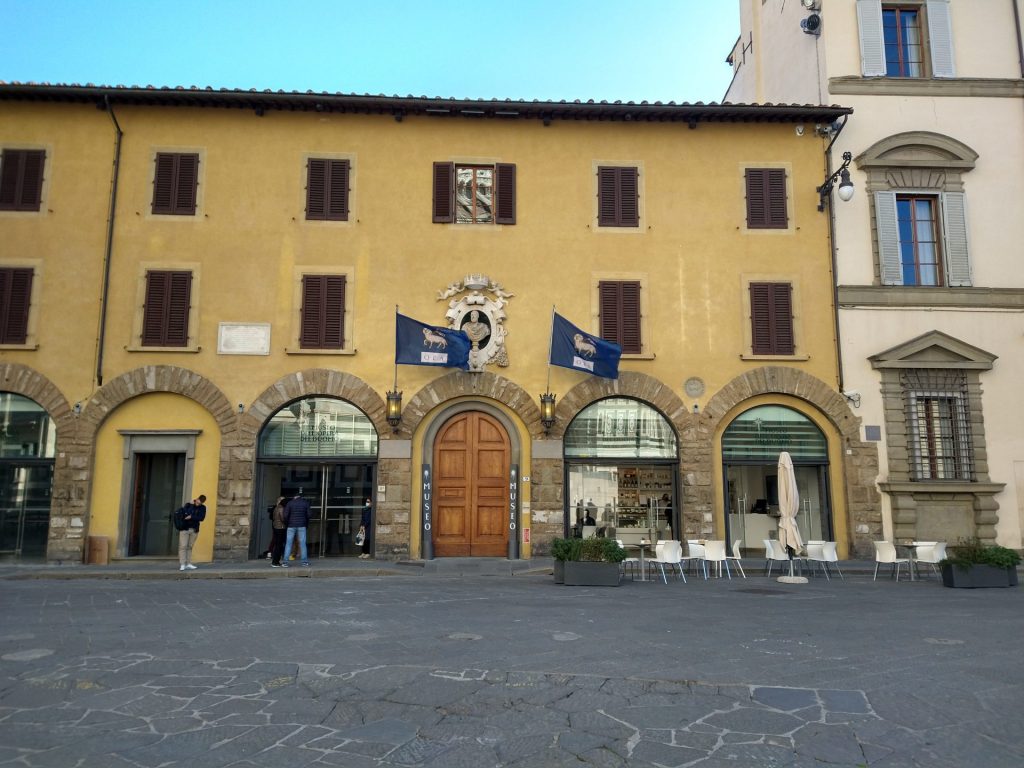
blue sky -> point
(667, 50)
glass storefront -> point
(28, 442)
(326, 449)
(751, 445)
(621, 458)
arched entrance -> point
(751, 445)
(326, 449)
(471, 465)
(621, 463)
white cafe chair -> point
(932, 552)
(735, 556)
(630, 562)
(714, 553)
(824, 554)
(695, 555)
(774, 552)
(885, 552)
(589, 531)
(668, 553)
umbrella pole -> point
(791, 579)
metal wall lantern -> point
(845, 191)
(547, 411)
(394, 414)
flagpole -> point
(550, 336)
(396, 355)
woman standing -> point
(277, 542)
(364, 528)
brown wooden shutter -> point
(337, 198)
(782, 310)
(444, 193)
(629, 205)
(766, 198)
(179, 295)
(607, 198)
(620, 315)
(174, 184)
(505, 194)
(163, 184)
(15, 298)
(618, 202)
(630, 338)
(771, 317)
(185, 192)
(323, 312)
(316, 189)
(21, 179)
(166, 311)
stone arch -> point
(171, 379)
(629, 384)
(917, 149)
(859, 459)
(779, 380)
(315, 381)
(67, 509)
(483, 385)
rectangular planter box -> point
(978, 576)
(559, 571)
(586, 574)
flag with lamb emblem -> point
(417, 343)
(584, 352)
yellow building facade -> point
(202, 290)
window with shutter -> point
(323, 312)
(474, 194)
(327, 189)
(906, 39)
(174, 184)
(922, 239)
(21, 179)
(168, 302)
(771, 319)
(618, 197)
(620, 314)
(766, 198)
(15, 298)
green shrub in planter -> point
(597, 550)
(972, 564)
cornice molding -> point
(853, 85)
(930, 297)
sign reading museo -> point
(572, 348)
(419, 344)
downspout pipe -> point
(108, 250)
(833, 250)
(1020, 39)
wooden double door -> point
(472, 457)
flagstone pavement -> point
(439, 670)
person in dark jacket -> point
(195, 513)
(296, 519)
(277, 543)
(364, 526)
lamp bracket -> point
(825, 190)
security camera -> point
(811, 25)
(853, 397)
(811, 5)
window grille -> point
(939, 433)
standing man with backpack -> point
(296, 518)
(192, 515)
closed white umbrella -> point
(789, 505)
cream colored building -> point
(930, 288)
(210, 307)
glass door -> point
(158, 482)
(335, 493)
(24, 509)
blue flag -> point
(419, 344)
(572, 348)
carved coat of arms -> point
(476, 305)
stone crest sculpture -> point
(476, 305)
